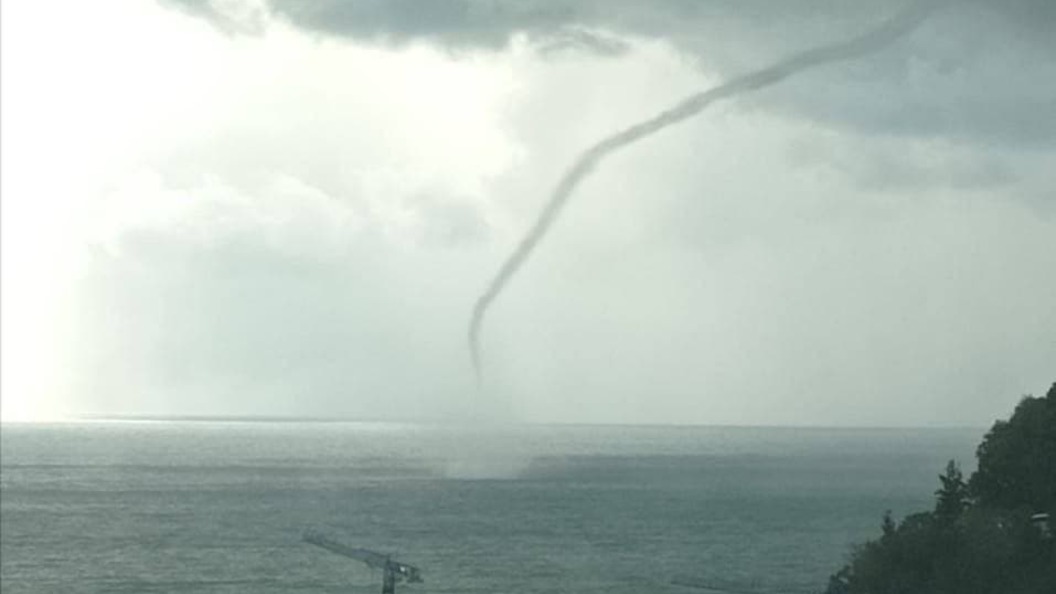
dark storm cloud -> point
(979, 72)
(456, 22)
(973, 73)
(492, 23)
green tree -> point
(888, 525)
(1017, 459)
(952, 497)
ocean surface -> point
(221, 506)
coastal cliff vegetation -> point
(992, 533)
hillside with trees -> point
(987, 534)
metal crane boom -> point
(376, 560)
(393, 571)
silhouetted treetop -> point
(1017, 459)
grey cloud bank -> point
(982, 71)
(492, 23)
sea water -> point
(221, 506)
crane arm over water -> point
(392, 571)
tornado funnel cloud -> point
(587, 161)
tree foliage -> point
(952, 497)
(1017, 459)
(979, 538)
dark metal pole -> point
(388, 580)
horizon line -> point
(317, 419)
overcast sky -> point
(288, 207)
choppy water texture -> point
(220, 507)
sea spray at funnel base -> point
(871, 41)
